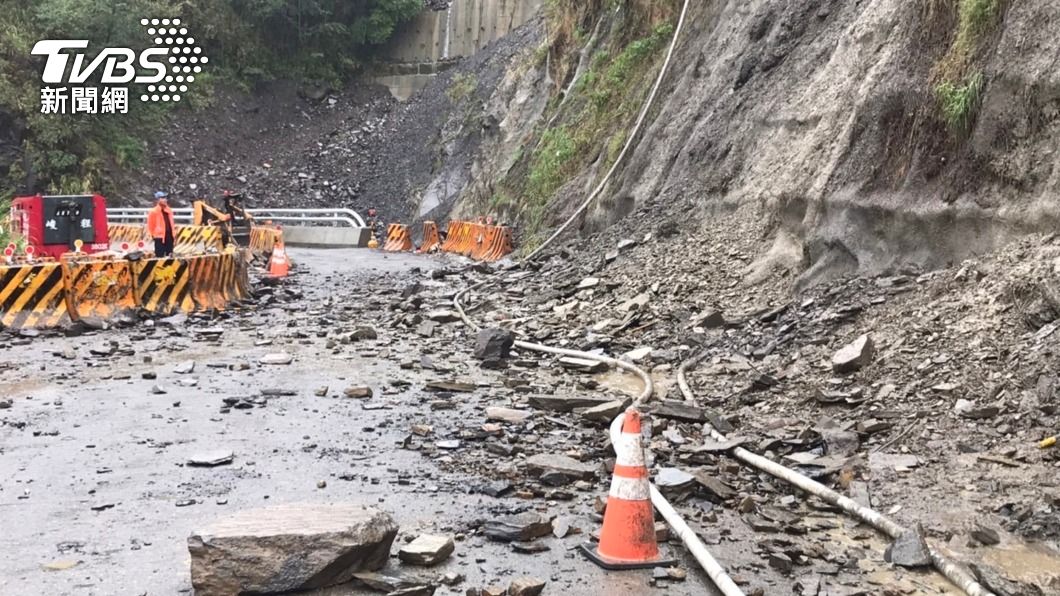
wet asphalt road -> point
(96, 499)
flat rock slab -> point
(358, 392)
(544, 463)
(427, 550)
(582, 364)
(212, 458)
(507, 414)
(566, 404)
(452, 386)
(854, 355)
(278, 358)
(289, 548)
(523, 527)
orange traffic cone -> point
(627, 540)
(278, 264)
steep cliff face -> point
(858, 136)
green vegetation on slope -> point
(590, 124)
(247, 41)
(960, 85)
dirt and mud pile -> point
(919, 393)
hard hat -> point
(160, 195)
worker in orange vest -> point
(160, 225)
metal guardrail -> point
(318, 217)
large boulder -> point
(289, 548)
(853, 356)
(493, 343)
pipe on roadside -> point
(953, 572)
(688, 537)
(630, 141)
(691, 541)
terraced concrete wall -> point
(467, 27)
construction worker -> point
(160, 225)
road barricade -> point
(207, 285)
(130, 233)
(499, 246)
(459, 234)
(487, 235)
(431, 240)
(263, 238)
(197, 240)
(32, 296)
(95, 287)
(473, 240)
(164, 285)
(479, 241)
(242, 267)
(397, 238)
(49, 294)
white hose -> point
(629, 140)
(691, 541)
(955, 573)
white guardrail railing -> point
(309, 217)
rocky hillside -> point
(857, 136)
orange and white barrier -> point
(397, 238)
(431, 240)
(482, 242)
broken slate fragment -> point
(289, 548)
(526, 586)
(102, 349)
(443, 316)
(717, 491)
(545, 463)
(854, 355)
(909, 550)
(636, 303)
(518, 528)
(185, 368)
(582, 364)
(566, 404)
(637, 355)
(494, 344)
(210, 459)
(710, 319)
(427, 550)
(358, 392)
(507, 415)
(605, 412)
(453, 386)
(277, 358)
(673, 479)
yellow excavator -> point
(234, 221)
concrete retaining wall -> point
(467, 27)
(318, 237)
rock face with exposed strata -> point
(289, 548)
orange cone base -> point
(613, 565)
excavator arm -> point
(205, 215)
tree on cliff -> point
(247, 41)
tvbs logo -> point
(165, 71)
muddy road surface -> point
(97, 494)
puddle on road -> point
(630, 384)
(1027, 563)
(880, 573)
(22, 389)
